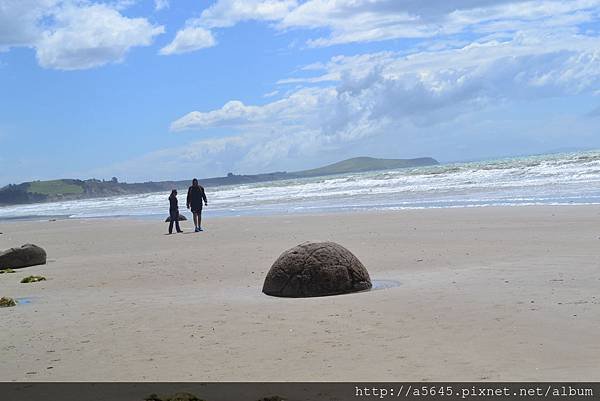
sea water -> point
(557, 179)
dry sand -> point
(484, 294)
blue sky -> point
(150, 90)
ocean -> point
(556, 179)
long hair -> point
(195, 182)
(173, 194)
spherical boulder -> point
(314, 269)
(179, 218)
(27, 255)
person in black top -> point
(195, 196)
(174, 212)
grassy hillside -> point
(359, 164)
(55, 188)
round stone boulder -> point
(314, 269)
(27, 255)
(179, 218)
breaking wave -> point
(557, 179)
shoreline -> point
(337, 210)
(482, 294)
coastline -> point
(485, 293)
(317, 211)
(559, 179)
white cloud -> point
(161, 4)
(188, 40)
(508, 51)
(352, 21)
(570, 53)
(293, 110)
(417, 84)
(115, 4)
(90, 36)
(472, 57)
(19, 21)
(376, 94)
(197, 33)
(73, 34)
(365, 21)
(271, 94)
(210, 156)
(225, 13)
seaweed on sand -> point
(174, 397)
(5, 302)
(192, 397)
(33, 279)
(7, 270)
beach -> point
(476, 294)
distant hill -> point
(360, 164)
(66, 189)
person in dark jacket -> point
(195, 197)
(174, 212)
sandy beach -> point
(483, 294)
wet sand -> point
(481, 294)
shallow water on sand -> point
(384, 284)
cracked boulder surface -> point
(314, 269)
(27, 255)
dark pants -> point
(174, 214)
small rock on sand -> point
(26, 255)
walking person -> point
(174, 212)
(195, 197)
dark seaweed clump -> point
(33, 279)
(174, 397)
(5, 302)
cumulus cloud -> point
(188, 40)
(353, 98)
(471, 57)
(73, 34)
(291, 111)
(19, 21)
(366, 21)
(352, 21)
(90, 36)
(540, 59)
(415, 84)
(197, 33)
